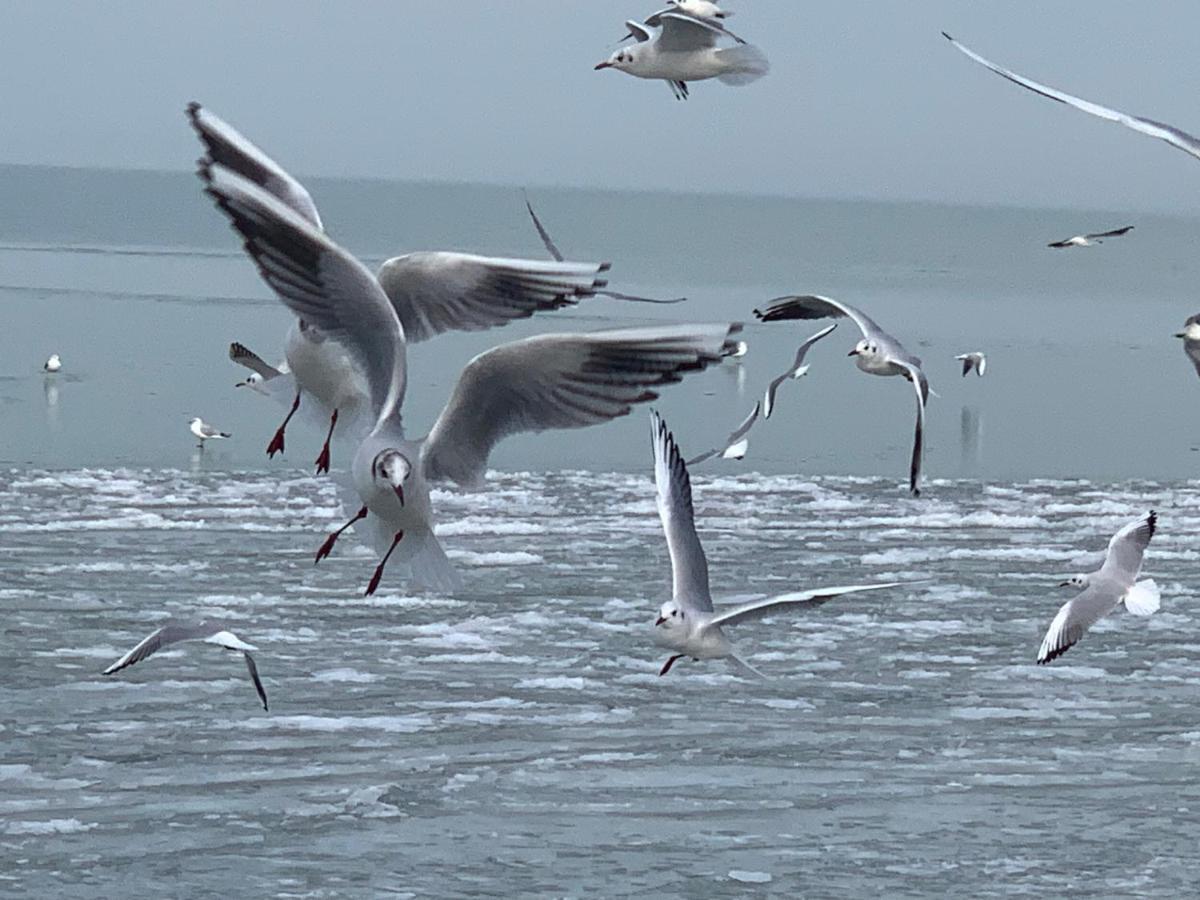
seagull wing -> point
(797, 363)
(757, 609)
(258, 685)
(434, 292)
(967, 362)
(689, 568)
(1067, 242)
(171, 633)
(561, 381)
(731, 442)
(1116, 232)
(637, 31)
(320, 282)
(244, 356)
(682, 32)
(812, 306)
(1172, 135)
(656, 21)
(921, 386)
(1074, 618)
(1125, 550)
(226, 146)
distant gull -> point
(53, 364)
(735, 445)
(206, 432)
(209, 632)
(796, 370)
(740, 349)
(1169, 133)
(976, 361)
(1105, 589)
(687, 624)
(1191, 340)
(878, 353)
(1087, 240)
(685, 49)
(538, 383)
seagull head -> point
(1075, 581)
(621, 59)
(392, 466)
(253, 379)
(671, 616)
(865, 347)
(1191, 332)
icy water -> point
(515, 739)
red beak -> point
(599, 66)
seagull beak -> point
(399, 489)
(1064, 584)
(604, 65)
(853, 352)
(659, 621)
(1180, 334)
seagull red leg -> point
(276, 445)
(323, 458)
(327, 547)
(383, 562)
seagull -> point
(541, 382)
(206, 432)
(685, 49)
(1105, 589)
(261, 371)
(735, 445)
(209, 632)
(53, 364)
(740, 349)
(557, 256)
(431, 292)
(976, 361)
(797, 370)
(687, 624)
(1169, 133)
(1191, 340)
(878, 353)
(1087, 240)
(698, 9)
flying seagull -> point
(1191, 340)
(261, 371)
(685, 49)
(1105, 589)
(796, 370)
(209, 632)
(687, 624)
(878, 353)
(976, 361)
(1169, 133)
(206, 432)
(542, 382)
(1087, 240)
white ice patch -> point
(49, 826)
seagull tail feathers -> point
(745, 63)
(431, 567)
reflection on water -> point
(970, 429)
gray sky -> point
(865, 97)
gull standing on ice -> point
(542, 382)
(1169, 133)
(53, 364)
(878, 353)
(209, 632)
(685, 49)
(432, 292)
(687, 624)
(1088, 240)
(976, 361)
(1191, 340)
(1105, 589)
(206, 432)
